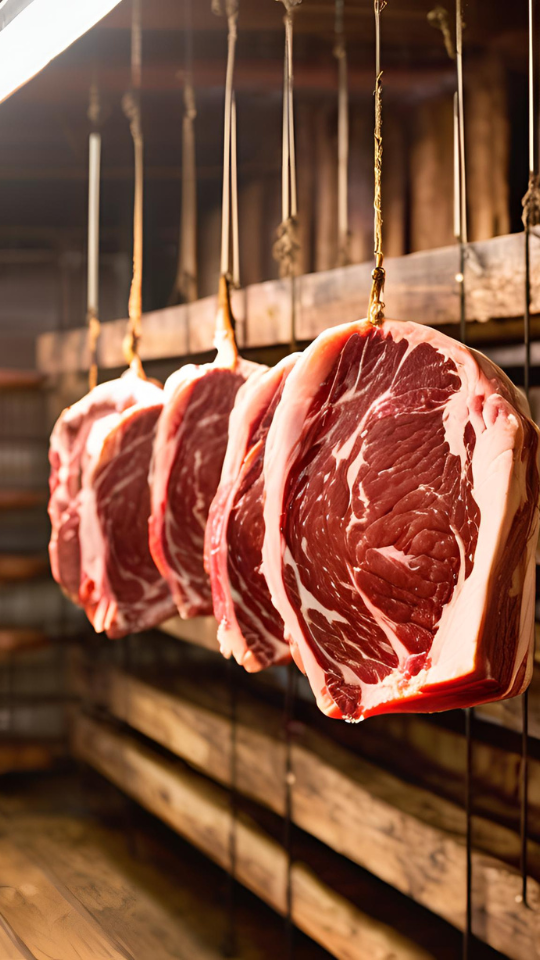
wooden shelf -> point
(15, 567)
(200, 811)
(20, 379)
(76, 888)
(15, 639)
(420, 287)
(22, 499)
(389, 827)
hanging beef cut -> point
(121, 589)
(66, 451)
(249, 626)
(401, 517)
(189, 448)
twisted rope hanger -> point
(340, 53)
(94, 167)
(286, 246)
(185, 286)
(132, 108)
(224, 338)
(376, 305)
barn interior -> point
(156, 800)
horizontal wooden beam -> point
(420, 287)
(65, 84)
(200, 631)
(40, 921)
(15, 639)
(22, 499)
(15, 566)
(387, 826)
(200, 812)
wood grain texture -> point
(200, 811)
(420, 287)
(45, 921)
(402, 833)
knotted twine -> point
(92, 303)
(132, 109)
(376, 305)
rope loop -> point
(439, 19)
(94, 329)
(287, 247)
(531, 202)
(376, 305)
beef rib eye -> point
(121, 589)
(401, 517)
(249, 627)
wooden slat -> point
(17, 756)
(389, 827)
(200, 631)
(20, 379)
(200, 811)
(16, 639)
(21, 499)
(44, 921)
(9, 948)
(420, 286)
(14, 566)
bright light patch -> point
(39, 33)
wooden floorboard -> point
(73, 889)
(384, 824)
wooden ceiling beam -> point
(68, 84)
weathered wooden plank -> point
(389, 827)
(16, 756)
(22, 499)
(10, 949)
(201, 631)
(17, 638)
(420, 286)
(200, 811)
(47, 923)
(22, 566)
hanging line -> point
(224, 338)
(531, 217)
(288, 722)
(185, 287)
(94, 167)
(230, 942)
(376, 305)
(340, 52)
(287, 246)
(131, 104)
(461, 233)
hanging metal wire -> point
(531, 217)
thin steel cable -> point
(132, 109)
(460, 207)
(531, 216)
(224, 337)
(235, 263)
(376, 305)
(286, 246)
(288, 722)
(232, 19)
(230, 944)
(467, 936)
(94, 171)
(340, 52)
(185, 287)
